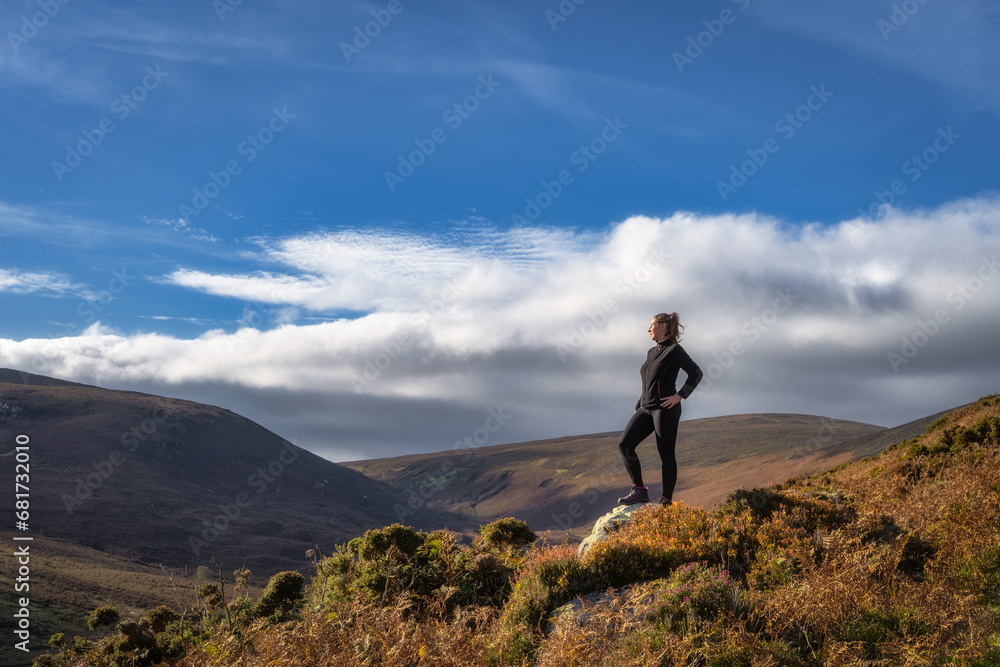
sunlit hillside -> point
(892, 560)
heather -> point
(891, 560)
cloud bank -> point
(880, 321)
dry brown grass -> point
(357, 634)
(893, 560)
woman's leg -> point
(665, 423)
(638, 429)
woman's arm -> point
(693, 371)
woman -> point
(658, 409)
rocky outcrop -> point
(607, 524)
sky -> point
(392, 227)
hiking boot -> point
(639, 494)
(665, 502)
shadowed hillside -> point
(177, 482)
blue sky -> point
(248, 204)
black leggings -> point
(664, 424)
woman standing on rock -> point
(658, 409)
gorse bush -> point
(283, 593)
(506, 535)
(953, 440)
(397, 561)
(102, 617)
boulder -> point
(607, 524)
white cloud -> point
(551, 324)
(44, 283)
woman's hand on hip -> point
(670, 401)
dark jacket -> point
(659, 374)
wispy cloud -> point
(951, 44)
(181, 226)
(40, 283)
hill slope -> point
(567, 483)
(171, 481)
(890, 560)
(122, 482)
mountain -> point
(565, 484)
(159, 480)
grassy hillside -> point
(567, 483)
(892, 560)
(67, 580)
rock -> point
(572, 612)
(606, 525)
(613, 611)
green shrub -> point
(957, 438)
(387, 563)
(210, 595)
(761, 502)
(102, 617)
(160, 617)
(935, 425)
(873, 627)
(979, 573)
(395, 543)
(731, 656)
(550, 577)
(506, 534)
(283, 593)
